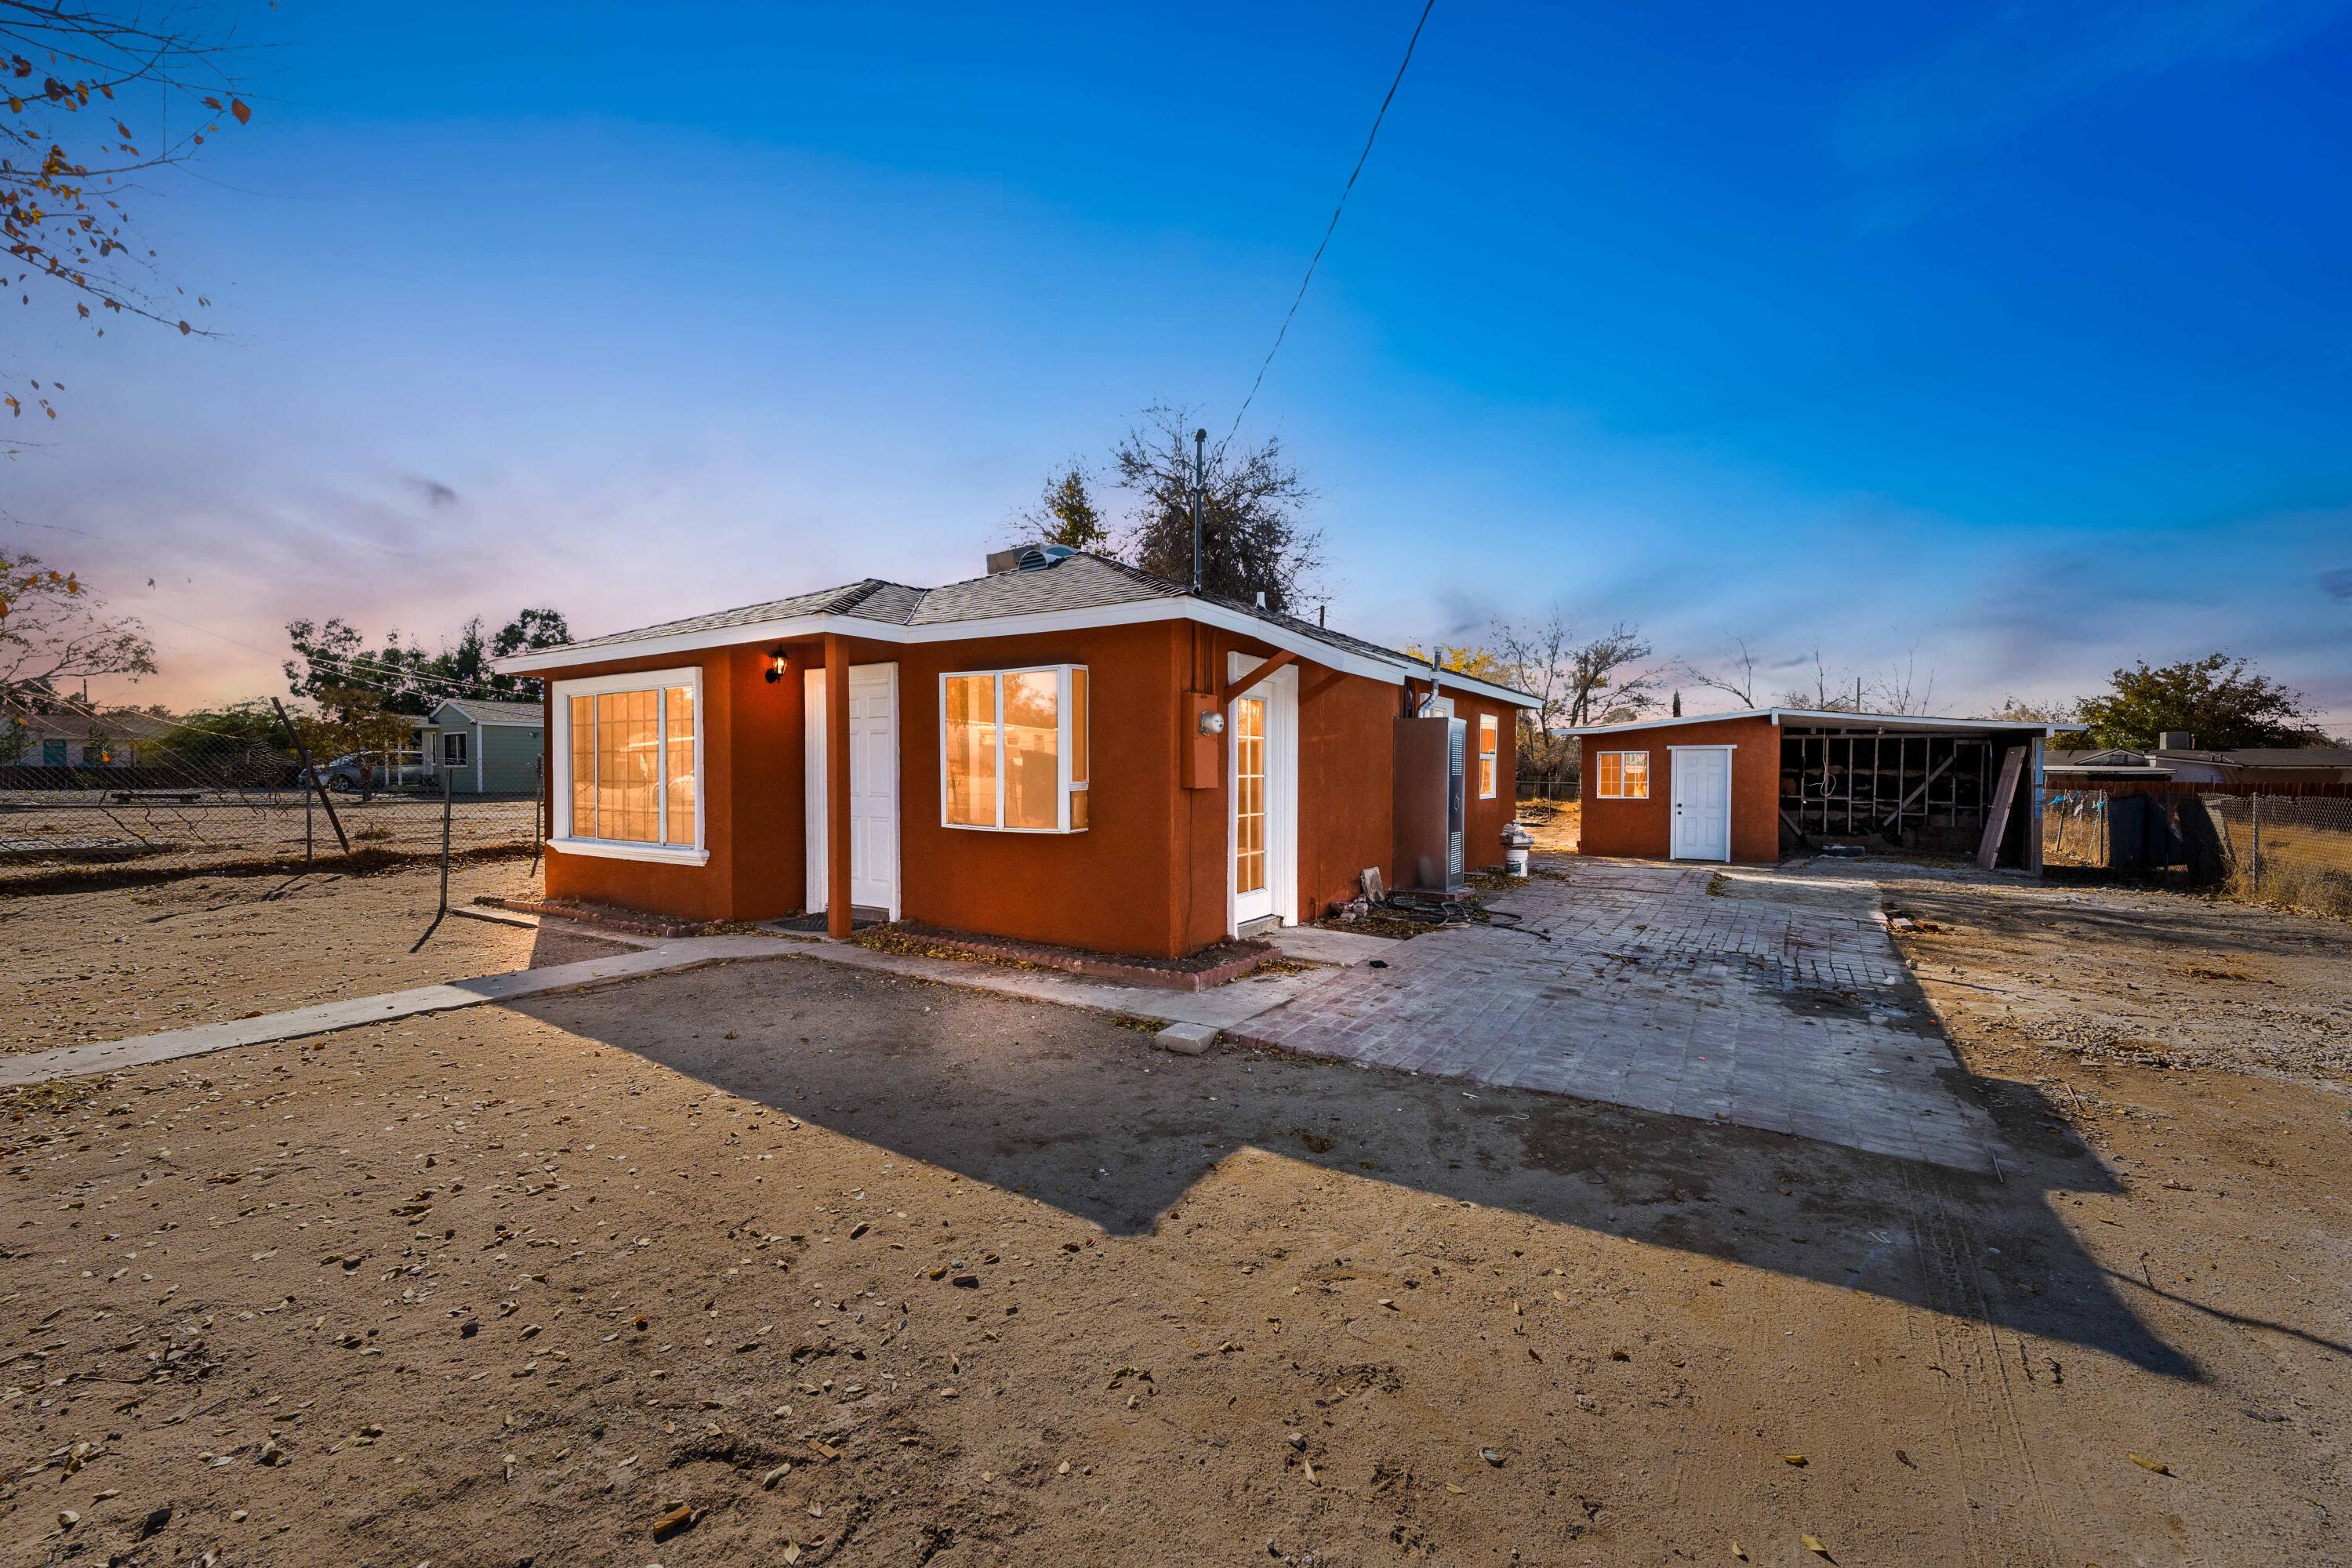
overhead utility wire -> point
(1331, 226)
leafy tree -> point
(15, 736)
(76, 76)
(2040, 710)
(1252, 540)
(356, 721)
(54, 631)
(1065, 513)
(335, 657)
(530, 629)
(241, 744)
(2220, 698)
(210, 730)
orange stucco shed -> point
(1761, 783)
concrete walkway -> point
(1221, 1008)
(1749, 995)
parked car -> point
(375, 770)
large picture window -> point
(1014, 748)
(1623, 776)
(629, 765)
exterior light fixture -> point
(775, 667)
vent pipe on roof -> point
(1199, 482)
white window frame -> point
(558, 752)
(1601, 794)
(465, 744)
(1488, 725)
(1064, 785)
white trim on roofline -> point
(1808, 715)
(1136, 612)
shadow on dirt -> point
(1074, 1111)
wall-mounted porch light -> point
(775, 667)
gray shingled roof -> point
(481, 709)
(1080, 582)
(824, 601)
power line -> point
(366, 670)
(1341, 207)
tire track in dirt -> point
(2002, 1505)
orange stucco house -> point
(1065, 751)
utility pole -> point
(1200, 441)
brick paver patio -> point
(1777, 1000)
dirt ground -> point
(2109, 974)
(89, 967)
(46, 834)
(1554, 824)
(855, 1269)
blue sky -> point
(2011, 340)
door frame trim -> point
(1674, 761)
(1280, 688)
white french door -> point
(1253, 871)
(1262, 786)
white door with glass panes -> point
(1702, 803)
(1245, 723)
(1262, 793)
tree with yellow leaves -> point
(73, 77)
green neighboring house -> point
(488, 748)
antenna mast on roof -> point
(1200, 437)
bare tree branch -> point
(1735, 678)
(68, 150)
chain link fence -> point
(2291, 851)
(185, 803)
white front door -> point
(1702, 803)
(873, 787)
(1253, 862)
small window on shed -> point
(1490, 745)
(1623, 776)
